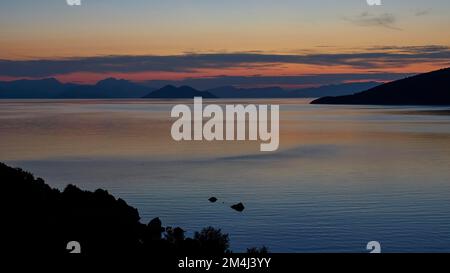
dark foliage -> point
(40, 219)
(255, 250)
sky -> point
(288, 43)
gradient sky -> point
(179, 39)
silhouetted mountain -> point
(39, 220)
(45, 88)
(52, 88)
(182, 92)
(431, 88)
(115, 88)
(107, 88)
(233, 92)
(277, 92)
(332, 90)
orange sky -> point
(49, 30)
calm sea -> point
(343, 176)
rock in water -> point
(238, 207)
(212, 200)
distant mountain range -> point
(277, 92)
(234, 92)
(108, 88)
(33, 89)
(182, 92)
(431, 88)
(111, 88)
(53, 89)
(333, 90)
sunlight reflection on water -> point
(344, 175)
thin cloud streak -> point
(366, 19)
(374, 58)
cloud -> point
(422, 12)
(415, 50)
(369, 59)
(366, 19)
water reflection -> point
(343, 175)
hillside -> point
(431, 88)
(36, 215)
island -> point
(182, 92)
